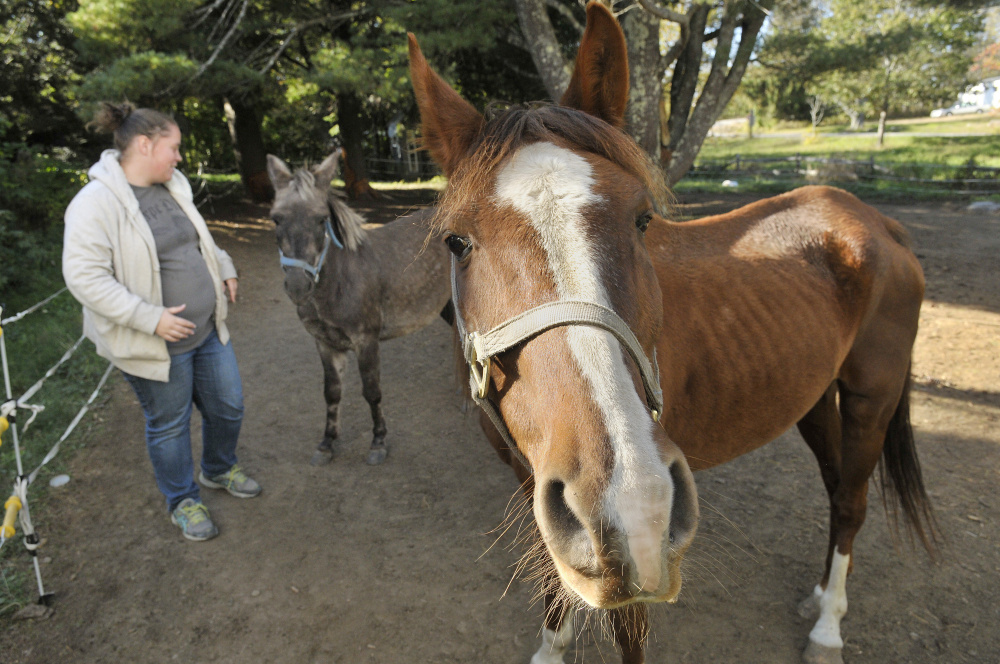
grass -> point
(905, 152)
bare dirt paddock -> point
(349, 563)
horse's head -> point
(550, 204)
(310, 222)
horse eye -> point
(276, 220)
(459, 246)
(642, 222)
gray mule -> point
(353, 284)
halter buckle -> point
(480, 376)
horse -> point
(614, 352)
(353, 284)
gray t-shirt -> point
(183, 273)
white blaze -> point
(552, 186)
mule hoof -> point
(809, 607)
(321, 457)
(377, 455)
(817, 654)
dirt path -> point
(349, 563)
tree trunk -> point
(723, 79)
(545, 50)
(351, 131)
(248, 146)
(642, 117)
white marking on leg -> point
(555, 644)
(832, 604)
(552, 186)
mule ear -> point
(327, 170)
(599, 85)
(449, 123)
(278, 172)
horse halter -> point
(314, 269)
(480, 348)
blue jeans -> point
(209, 378)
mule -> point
(353, 284)
(800, 309)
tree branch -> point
(566, 12)
(656, 9)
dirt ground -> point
(350, 563)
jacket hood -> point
(108, 171)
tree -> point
(896, 54)
(865, 57)
(986, 63)
(715, 37)
(39, 68)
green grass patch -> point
(953, 151)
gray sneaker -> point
(193, 519)
(234, 480)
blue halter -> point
(314, 270)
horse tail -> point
(899, 475)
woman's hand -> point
(172, 327)
(230, 286)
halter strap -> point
(328, 237)
(480, 349)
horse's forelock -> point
(508, 129)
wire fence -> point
(967, 179)
(16, 507)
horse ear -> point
(327, 170)
(599, 85)
(449, 123)
(278, 171)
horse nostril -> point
(684, 514)
(560, 516)
(564, 532)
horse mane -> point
(508, 128)
(348, 222)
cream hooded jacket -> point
(110, 265)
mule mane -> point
(350, 224)
(508, 129)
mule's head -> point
(300, 213)
(551, 204)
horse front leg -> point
(334, 362)
(369, 366)
(558, 633)
(631, 627)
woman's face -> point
(152, 160)
(164, 155)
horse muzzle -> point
(299, 285)
(622, 544)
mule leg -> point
(369, 366)
(334, 362)
(631, 627)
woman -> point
(153, 285)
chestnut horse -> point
(800, 309)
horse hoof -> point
(809, 607)
(376, 455)
(817, 654)
(321, 457)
